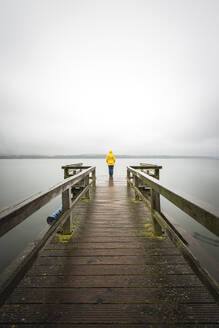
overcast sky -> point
(86, 76)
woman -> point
(110, 159)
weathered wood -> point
(136, 185)
(111, 313)
(107, 280)
(112, 239)
(14, 273)
(84, 167)
(111, 281)
(113, 269)
(110, 295)
(155, 206)
(157, 174)
(13, 215)
(159, 220)
(155, 168)
(94, 179)
(96, 260)
(86, 182)
(149, 244)
(66, 199)
(109, 325)
(128, 178)
(110, 252)
(72, 165)
(71, 168)
(67, 227)
(146, 166)
(16, 270)
(113, 325)
(210, 281)
(208, 218)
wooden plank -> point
(110, 295)
(134, 260)
(110, 313)
(110, 281)
(115, 228)
(114, 325)
(110, 252)
(89, 269)
(147, 243)
(121, 233)
(158, 281)
(112, 239)
(122, 223)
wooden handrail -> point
(148, 167)
(14, 215)
(206, 217)
(71, 169)
(209, 218)
(154, 166)
(72, 165)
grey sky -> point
(86, 76)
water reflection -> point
(111, 182)
(206, 240)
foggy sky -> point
(86, 76)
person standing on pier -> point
(110, 159)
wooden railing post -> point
(65, 173)
(157, 174)
(155, 170)
(66, 200)
(155, 205)
(86, 183)
(68, 225)
(136, 185)
(94, 178)
(128, 178)
(66, 204)
(70, 170)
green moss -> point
(85, 199)
(64, 238)
(148, 230)
(135, 200)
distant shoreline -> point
(101, 156)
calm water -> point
(21, 178)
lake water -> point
(20, 178)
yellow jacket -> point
(110, 159)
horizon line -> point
(26, 156)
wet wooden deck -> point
(111, 273)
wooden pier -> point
(111, 266)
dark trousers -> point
(110, 170)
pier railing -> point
(71, 169)
(72, 189)
(151, 169)
(149, 190)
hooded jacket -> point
(110, 159)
